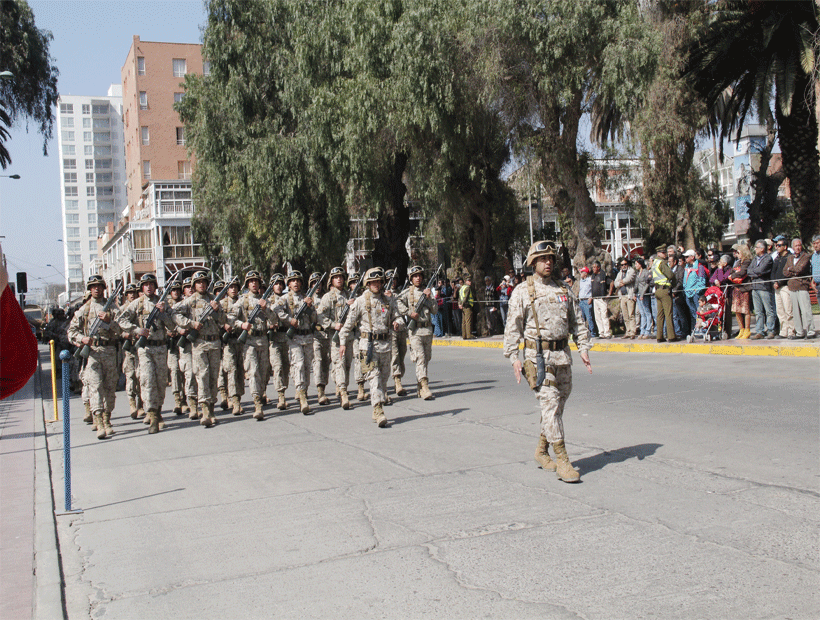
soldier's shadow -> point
(458, 388)
(434, 414)
(599, 461)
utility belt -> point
(258, 332)
(548, 345)
(662, 286)
(104, 342)
(156, 342)
(209, 338)
(374, 336)
(302, 332)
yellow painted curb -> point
(695, 349)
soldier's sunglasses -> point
(542, 246)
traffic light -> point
(22, 282)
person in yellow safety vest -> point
(466, 301)
(664, 280)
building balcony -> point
(175, 208)
(144, 256)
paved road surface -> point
(698, 499)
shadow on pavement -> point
(599, 461)
(133, 499)
(458, 388)
(434, 414)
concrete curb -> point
(680, 348)
(48, 580)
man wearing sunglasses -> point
(544, 313)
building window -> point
(178, 97)
(74, 259)
(89, 191)
(72, 231)
(105, 190)
(68, 136)
(68, 149)
(87, 136)
(183, 170)
(92, 218)
(102, 123)
(66, 108)
(143, 100)
(69, 164)
(69, 177)
(101, 108)
(72, 218)
(67, 121)
(180, 67)
(93, 231)
(89, 164)
(92, 246)
(86, 108)
(146, 169)
(181, 136)
(72, 246)
(92, 204)
(104, 177)
(89, 177)
(102, 163)
(72, 205)
(102, 136)
(145, 137)
(206, 67)
(88, 150)
(71, 190)
(86, 123)
(102, 150)
(140, 65)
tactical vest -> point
(657, 275)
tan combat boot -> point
(257, 405)
(207, 420)
(88, 419)
(183, 407)
(109, 430)
(400, 391)
(160, 421)
(223, 399)
(132, 403)
(424, 390)
(564, 468)
(361, 395)
(345, 400)
(99, 425)
(338, 394)
(140, 412)
(192, 412)
(542, 455)
(153, 418)
(303, 403)
(378, 415)
(323, 400)
(282, 404)
(177, 403)
(237, 407)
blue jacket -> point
(694, 279)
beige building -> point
(154, 232)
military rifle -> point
(95, 326)
(149, 322)
(254, 313)
(390, 281)
(193, 334)
(303, 306)
(346, 309)
(411, 325)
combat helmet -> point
(252, 275)
(540, 248)
(187, 283)
(313, 277)
(374, 275)
(416, 270)
(219, 285)
(277, 277)
(132, 288)
(95, 279)
(200, 275)
(295, 274)
(148, 278)
(337, 271)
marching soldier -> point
(153, 357)
(357, 366)
(186, 364)
(421, 335)
(301, 345)
(256, 347)
(232, 373)
(221, 385)
(279, 353)
(206, 350)
(101, 372)
(376, 315)
(130, 365)
(398, 344)
(174, 362)
(544, 313)
(330, 309)
(321, 349)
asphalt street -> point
(698, 499)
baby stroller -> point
(711, 317)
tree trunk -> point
(393, 222)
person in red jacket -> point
(18, 346)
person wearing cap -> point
(301, 344)
(130, 365)
(376, 315)
(101, 372)
(544, 309)
(760, 273)
(663, 278)
(624, 285)
(358, 375)
(330, 309)
(278, 347)
(206, 349)
(231, 368)
(585, 300)
(153, 357)
(419, 328)
(321, 347)
(694, 284)
(174, 362)
(466, 302)
(255, 354)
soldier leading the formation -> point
(544, 313)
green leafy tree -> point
(32, 92)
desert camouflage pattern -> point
(206, 355)
(300, 347)
(407, 302)
(255, 354)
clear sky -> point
(91, 41)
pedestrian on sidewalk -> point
(663, 279)
(760, 273)
(17, 341)
(625, 286)
(466, 302)
(741, 292)
(782, 296)
(600, 287)
(694, 284)
(798, 270)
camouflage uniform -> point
(558, 317)
(232, 374)
(330, 309)
(206, 351)
(255, 353)
(300, 347)
(374, 315)
(421, 338)
(101, 372)
(279, 354)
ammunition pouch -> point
(531, 373)
(367, 366)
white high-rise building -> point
(92, 174)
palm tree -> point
(755, 47)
